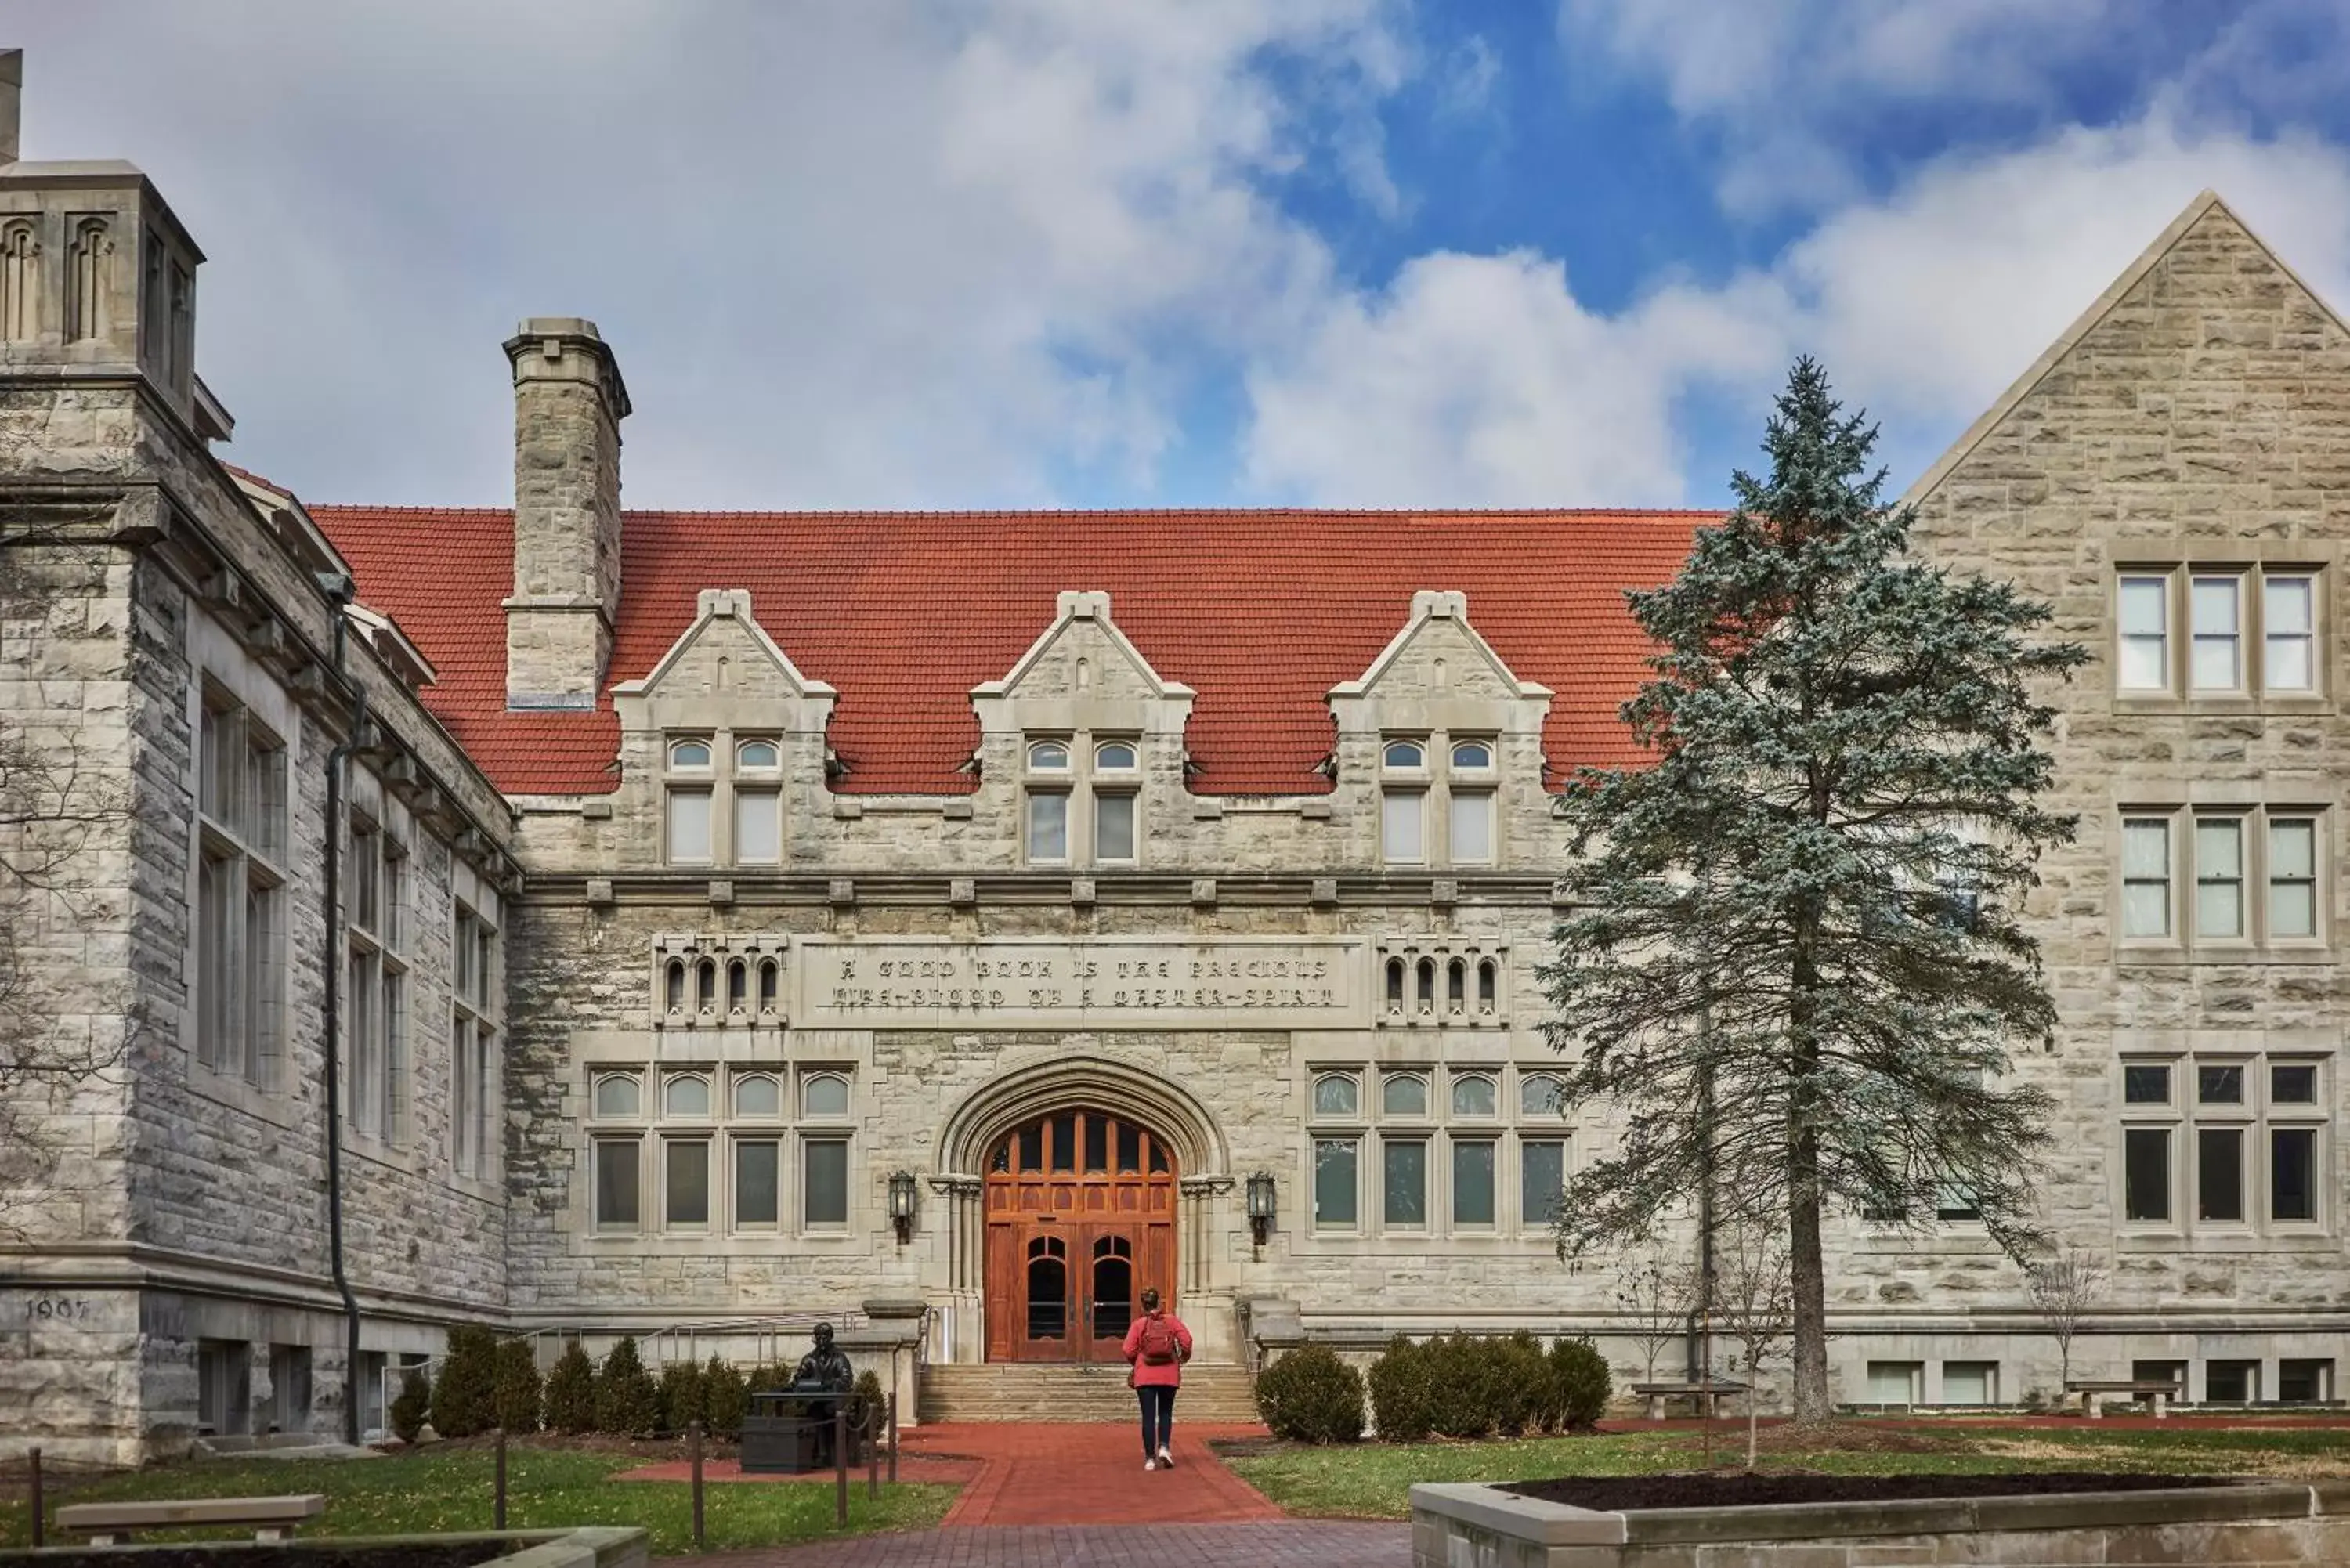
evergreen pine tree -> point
(626, 1401)
(681, 1395)
(518, 1385)
(571, 1391)
(412, 1406)
(464, 1395)
(1793, 966)
(723, 1398)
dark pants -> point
(1157, 1417)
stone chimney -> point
(11, 101)
(568, 404)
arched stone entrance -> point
(1073, 1183)
(1080, 1217)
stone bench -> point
(110, 1523)
(1704, 1394)
(2158, 1393)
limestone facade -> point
(656, 1053)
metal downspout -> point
(335, 761)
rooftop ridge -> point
(1465, 513)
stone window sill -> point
(2204, 1245)
(237, 1093)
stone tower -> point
(569, 402)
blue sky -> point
(1066, 252)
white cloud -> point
(914, 253)
(1483, 380)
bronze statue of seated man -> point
(825, 1368)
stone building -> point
(950, 924)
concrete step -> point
(1033, 1391)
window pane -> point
(689, 754)
(1405, 1184)
(1115, 755)
(688, 1184)
(1542, 1175)
(758, 827)
(1404, 754)
(2146, 1084)
(761, 754)
(2145, 1181)
(1051, 756)
(1539, 1095)
(2146, 848)
(1048, 826)
(615, 1096)
(760, 1096)
(2218, 1173)
(1473, 1096)
(2214, 610)
(1404, 1095)
(1473, 1183)
(825, 1192)
(616, 1185)
(2292, 1173)
(1399, 826)
(2144, 618)
(1114, 827)
(1472, 829)
(689, 826)
(1334, 1184)
(2219, 1086)
(686, 1096)
(1472, 755)
(1336, 1095)
(826, 1095)
(2289, 613)
(2292, 877)
(2219, 877)
(755, 1170)
(2294, 1085)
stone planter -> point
(1462, 1526)
(593, 1546)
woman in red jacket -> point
(1156, 1345)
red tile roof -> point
(1261, 612)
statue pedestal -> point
(789, 1432)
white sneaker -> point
(1166, 1460)
(1150, 1464)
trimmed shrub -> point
(867, 1401)
(627, 1402)
(517, 1386)
(1309, 1395)
(723, 1398)
(464, 1397)
(1464, 1386)
(571, 1391)
(1526, 1397)
(681, 1395)
(1398, 1385)
(1581, 1385)
(410, 1409)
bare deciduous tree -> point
(2064, 1289)
(1753, 1306)
(1658, 1291)
(59, 798)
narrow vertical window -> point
(756, 1169)
(823, 1187)
(1335, 1183)
(2216, 623)
(1472, 828)
(758, 827)
(616, 1184)
(2292, 1174)
(686, 1185)
(2144, 621)
(1473, 1183)
(2146, 877)
(2292, 877)
(1404, 1183)
(2146, 1178)
(1113, 828)
(1048, 826)
(1402, 833)
(2289, 633)
(2220, 1173)
(1542, 1177)
(2219, 877)
(689, 826)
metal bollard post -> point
(893, 1436)
(40, 1524)
(693, 1443)
(872, 1425)
(841, 1461)
(498, 1510)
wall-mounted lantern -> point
(1262, 1204)
(903, 1193)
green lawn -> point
(1373, 1481)
(448, 1489)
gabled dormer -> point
(1082, 741)
(1438, 750)
(723, 744)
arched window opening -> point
(1049, 756)
(1456, 986)
(1114, 756)
(738, 986)
(1395, 986)
(1427, 977)
(769, 979)
(1404, 1095)
(617, 1095)
(761, 755)
(825, 1094)
(1472, 755)
(1489, 985)
(1473, 1095)
(705, 985)
(686, 1096)
(1337, 1095)
(758, 1095)
(1404, 754)
(689, 755)
(673, 996)
(1541, 1094)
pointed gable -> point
(725, 653)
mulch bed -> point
(1617, 1493)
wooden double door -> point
(1080, 1208)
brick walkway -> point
(1093, 1474)
(1286, 1545)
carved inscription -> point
(1100, 984)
